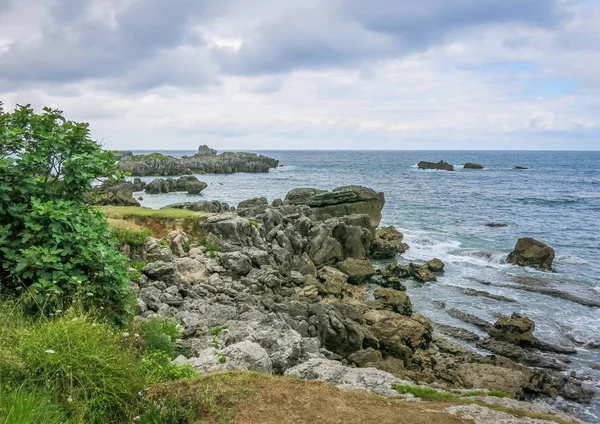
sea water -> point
(443, 214)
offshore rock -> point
(204, 162)
(470, 165)
(441, 165)
(530, 252)
(515, 329)
(118, 193)
(187, 183)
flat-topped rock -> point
(206, 161)
(441, 165)
(470, 165)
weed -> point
(424, 393)
(20, 406)
(186, 247)
(215, 331)
(254, 223)
(131, 237)
(222, 358)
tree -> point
(53, 245)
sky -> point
(311, 74)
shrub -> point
(131, 237)
(254, 223)
(52, 243)
(158, 368)
(19, 406)
(158, 334)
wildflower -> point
(49, 351)
(126, 334)
(70, 399)
(89, 294)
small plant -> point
(222, 358)
(132, 238)
(187, 247)
(159, 368)
(254, 223)
(158, 334)
(215, 331)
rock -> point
(341, 201)
(518, 354)
(138, 184)
(457, 332)
(520, 167)
(394, 300)
(515, 329)
(435, 265)
(245, 355)
(471, 319)
(206, 161)
(422, 273)
(334, 283)
(333, 372)
(365, 356)
(397, 334)
(213, 206)
(387, 244)
(120, 154)
(473, 292)
(252, 203)
(187, 183)
(159, 270)
(486, 376)
(299, 196)
(496, 225)
(530, 252)
(179, 242)
(118, 193)
(236, 263)
(357, 270)
(482, 415)
(441, 165)
(470, 165)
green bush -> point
(158, 368)
(19, 406)
(131, 237)
(53, 245)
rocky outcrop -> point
(111, 193)
(470, 165)
(120, 154)
(530, 252)
(441, 165)
(187, 183)
(496, 225)
(212, 206)
(515, 329)
(387, 244)
(206, 161)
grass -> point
(134, 211)
(133, 238)
(254, 223)
(215, 331)
(21, 406)
(424, 393)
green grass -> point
(424, 393)
(21, 406)
(132, 238)
(215, 331)
(254, 223)
(134, 211)
(495, 393)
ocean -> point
(443, 214)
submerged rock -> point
(530, 252)
(441, 165)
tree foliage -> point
(52, 244)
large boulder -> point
(399, 335)
(515, 329)
(114, 194)
(531, 252)
(388, 243)
(394, 300)
(441, 165)
(357, 270)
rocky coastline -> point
(206, 160)
(289, 288)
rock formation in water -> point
(441, 165)
(206, 161)
(111, 193)
(530, 252)
(187, 183)
(470, 165)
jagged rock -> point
(236, 263)
(204, 162)
(187, 183)
(120, 154)
(441, 165)
(299, 196)
(159, 270)
(518, 354)
(470, 165)
(457, 332)
(515, 329)
(365, 356)
(245, 355)
(204, 150)
(334, 283)
(472, 319)
(422, 273)
(179, 242)
(388, 243)
(530, 252)
(111, 193)
(393, 300)
(252, 203)
(486, 376)
(138, 184)
(473, 292)
(482, 415)
(333, 372)
(435, 265)
(399, 335)
(357, 270)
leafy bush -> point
(131, 237)
(19, 406)
(158, 368)
(52, 244)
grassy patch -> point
(134, 211)
(254, 223)
(424, 393)
(215, 331)
(20, 406)
(495, 393)
(132, 238)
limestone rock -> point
(179, 242)
(113, 193)
(422, 273)
(441, 165)
(515, 329)
(357, 270)
(530, 252)
(470, 165)
(388, 243)
(187, 183)
(394, 300)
